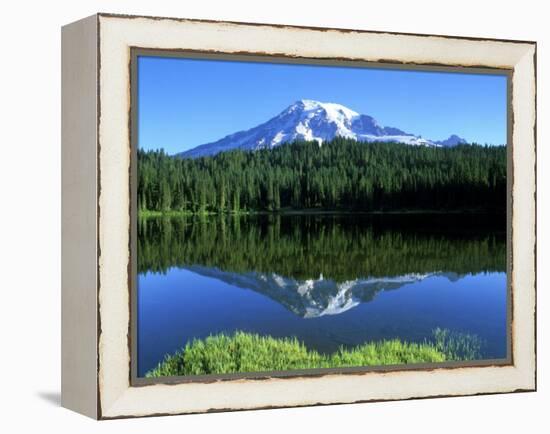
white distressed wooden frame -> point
(96, 217)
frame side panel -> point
(79, 217)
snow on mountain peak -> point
(333, 111)
(310, 120)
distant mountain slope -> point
(453, 140)
(313, 120)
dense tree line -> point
(340, 175)
(340, 247)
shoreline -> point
(290, 212)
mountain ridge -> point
(313, 120)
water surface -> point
(329, 280)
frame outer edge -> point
(79, 217)
(117, 408)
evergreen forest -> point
(341, 175)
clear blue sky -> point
(183, 103)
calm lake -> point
(329, 280)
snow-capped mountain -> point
(313, 298)
(313, 120)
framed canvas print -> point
(262, 216)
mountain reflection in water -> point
(329, 280)
(313, 297)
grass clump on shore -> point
(457, 346)
(245, 352)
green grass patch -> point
(457, 346)
(245, 352)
